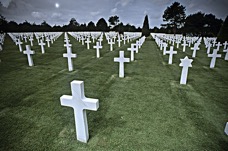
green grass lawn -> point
(146, 110)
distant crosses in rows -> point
(29, 52)
(42, 44)
(121, 61)
(69, 55)
(213, 56)
(80, 104)
(185, 63)
(171, 52)
(97, 47)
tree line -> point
(174, 17)
(101, 25)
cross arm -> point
(91, 104)
(66, 100)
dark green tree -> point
(201, 24)
(73, 22)
(146, 28)
(194, 24)
(223, 33)
(91, 26)
(3, 24)
(114, 20)
(175, 16)
(102, 25)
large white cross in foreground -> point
(80, 104)
(121, 61)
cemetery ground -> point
(148, 109)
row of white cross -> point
(28, 51)
(98, 46)
(161, 42)
(78, 101)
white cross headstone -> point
(225, 44)
(19, 43)
(185, 63)
(178, 42)
(110, 42)
(214, 55)
(42, 44)
(82, 40)
(87, 42)
(29, 52)
(100, 39)
(171, 52)
(97, 47)
(119, 40)
(184, 45)
(80, 104)
(69, 55)
(160, 44)
(226, 129)
(226, 56)
(136, 47)
(121, 61)
(25, 38)
(208, 48)
(195, 48)
(124, 39)
(31, 40)
(132, 49)
(164, 48)
(48, 41)
(218, 45)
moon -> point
(57, 5)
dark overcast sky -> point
(129, 11)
